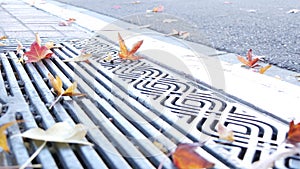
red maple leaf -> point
(37, 53)
(250, 61)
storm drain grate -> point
(128, 107)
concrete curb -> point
(273, 95)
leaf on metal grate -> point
(250, 62)
(186, 157)
(3, 139)
(60, 132)
(3, 37)
(225, 133)
(37, 53)
(57, 87)
(128, 55)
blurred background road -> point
(270, 27)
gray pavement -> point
(21, 21)
(233, 26)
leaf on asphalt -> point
(225, 133)
(67, 22)
(293, 11)
(60, 132)
(128, 55)
(3, 139)
(262, 70)
(3, 37)
(185, 156)
(294, 133)
(159, 8)
(169, 20)
(250, 62)
(57, 86)
(82, 57)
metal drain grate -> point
(129, 106)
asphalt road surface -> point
(270, 27)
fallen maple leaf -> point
(250, 61)
(185, 157)
(264, 69)
(37, 53)
(57, 87)
(38, 39)
(294, 133)
(3, 139)
(128, 55)
(159, 8)
(60, 132)
(225, 133)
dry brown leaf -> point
(250, 62)
(57, 87)
(159, 8)
(225, 133)
(19, 46)
(60, 132)
(294, 133)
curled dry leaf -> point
(225, 133)
(294, 133)
(60, 132)
(19, 46)
(3, 139)
(57, 87)
(80, 58)
(264, 69)
(2, 44)
(108, 57)
(250, 62)
(185, 157)
(128, 55)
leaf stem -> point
(33, 156)
(55, 101)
